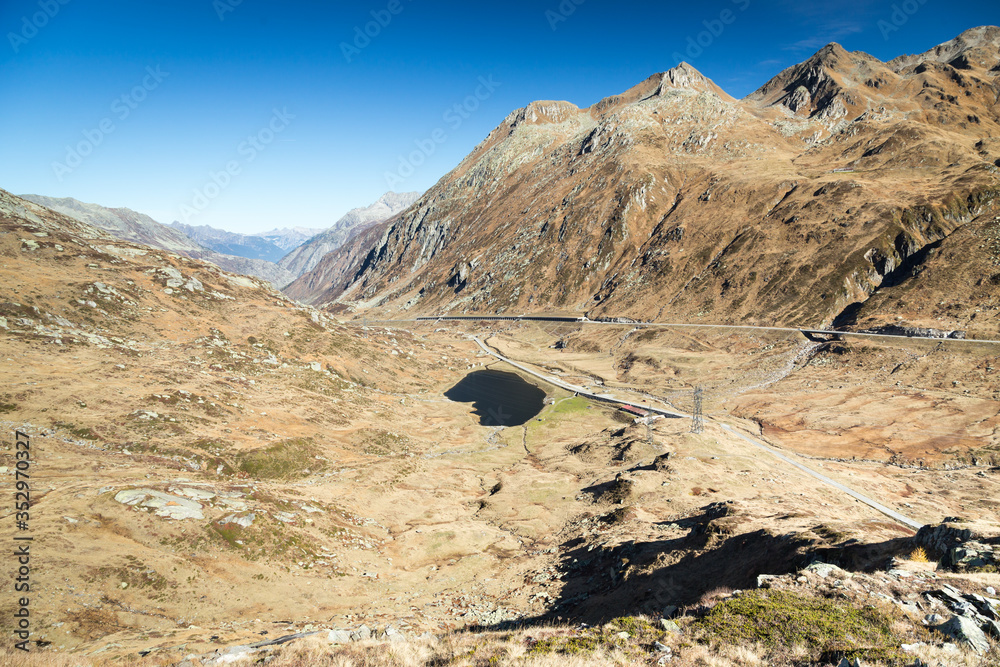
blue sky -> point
(249, 115)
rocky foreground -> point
(912, 611)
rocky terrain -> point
(220, 467)
(221, 474)
(128, 225)
(305, 257)
(845, 191)
(910, 610)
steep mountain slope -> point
(128, 225)
(231, 243)
(673, 201)
(307, 256)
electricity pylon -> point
(697, 420)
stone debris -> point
(825, 570)
(164, 504)
(193, 494)
(669, 626)
(241, 520)
(965, 631)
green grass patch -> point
(637, 645)
(285, 460)
(826, 629)
(569, 406)
(79, 431)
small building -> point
(632, 410)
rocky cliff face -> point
(307, 256)
(128, 225)
(672, 201)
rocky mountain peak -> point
(975, 48)
(825, 86)
(684, 77)
(542, 112)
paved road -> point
(826, 480)
(670, 325)
(809, 471)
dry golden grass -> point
(498, 649)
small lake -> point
(499, 398)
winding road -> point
(807, 332)
(896, 516)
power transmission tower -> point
(697, 420)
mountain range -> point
(306, 256)
(250, 254)
(251, 246)
(846, 190)
(128, 225)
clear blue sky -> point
(219, 81)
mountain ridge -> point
(307, 255)
(648, 202)
(129, 225)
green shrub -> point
(826, 629)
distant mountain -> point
(128, 225)
(845, 191)
(308, 255)
(231, 243)
(289, 238)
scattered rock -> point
(166, 505)
(243, 521)
(764, 580)
(844, 662)
(339, 636)
(824, 570)
(965, 631)
(669, 626)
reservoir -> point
(498, 398)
